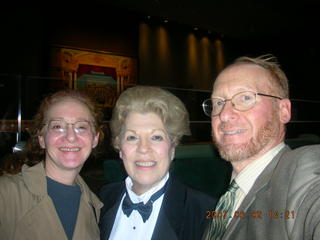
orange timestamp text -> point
(253, 214)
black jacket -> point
(182, 214)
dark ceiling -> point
(244, 19)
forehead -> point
(143, 120)
(241, 77)
(68, 108)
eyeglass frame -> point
(64, 130)
(230, 99)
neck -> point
(238, 166)
(66, 177)
(139, 190)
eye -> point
(217, 102)
(82, 126)
(157, 138)
(131, 138)
(56, 126)
(246, 97)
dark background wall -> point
(171, 55)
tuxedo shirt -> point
(126, 227)
(182, 214)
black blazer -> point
(182, 214)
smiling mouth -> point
(145, 164)
(65, 149)
(234, 132)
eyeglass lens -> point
(241, 101)
(61, 126)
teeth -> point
(145, 164)
(69, 149)
(235, 132)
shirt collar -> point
(145, 196)
(246, 178)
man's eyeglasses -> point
(61, 127)
(242, 101)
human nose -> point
(227, 112)
(70, 133)
(143, 145)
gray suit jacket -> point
(284, 202)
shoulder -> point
(88, 194)
(110, 195)
(305, 159)
(111, 189)
(192, 196)
(29, 183)
(303, 170)
(14, 197)
(9, 184)
(312, 151)
(300, 166)
(188, 207)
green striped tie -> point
(223, 213)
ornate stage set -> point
(102, 75)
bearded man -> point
(275, 192)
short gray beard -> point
(236, 153)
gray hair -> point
(146, 99)
(278, 81)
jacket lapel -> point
(171, 213)
(260, 184)
(110, 208)
(170, 217)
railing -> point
(20, 96)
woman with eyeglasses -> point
(42, 195)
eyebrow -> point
(62, 119)
(239, 90)
(153, 130)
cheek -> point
(256, 121)
(47, 141)
(261, 113)
(214, 126)
(164, 151)
(125, 151)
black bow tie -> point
(145, 210)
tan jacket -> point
(27, 212)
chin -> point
(72, 165)
(234, 152)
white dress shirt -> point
(247, 177)
(133, 227)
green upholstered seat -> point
(201, 167)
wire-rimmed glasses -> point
(60, 126)
(242, 101)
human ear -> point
(285, 110)
(95, 140)
(41, 142)
(172, 153)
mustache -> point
(225, 126)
